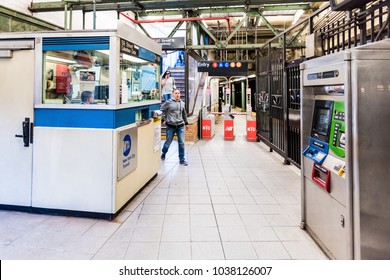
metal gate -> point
(278, 105)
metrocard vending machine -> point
(345, 159)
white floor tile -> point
(239, 251)
(175, 251)
(151, 234)
(199, 220)
(205, 234)
(271, 251)
(207, 251)
(176, 233)
(142, 251)
(235, 200)
(233, 233)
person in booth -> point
(87, 97)
(175, 116)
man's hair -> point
(85, 95)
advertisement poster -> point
(127, 151)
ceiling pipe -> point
(178, 20)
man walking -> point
(175, 116)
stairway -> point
(179, 76)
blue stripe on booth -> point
(89, 118)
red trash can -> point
(228, 129)
(206, 129)
(251, 130)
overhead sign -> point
(171, 43)
(224, 68)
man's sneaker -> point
(162, 156)
(184, 163)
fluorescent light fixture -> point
(59, 59)
(107, 52)
(134, 59)
(260, 21)
(297, 16)
(204, 22)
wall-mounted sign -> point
(171, 43)
(137, 51)
(127, 151)
(224, 68)
(128, 48)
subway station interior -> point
(288, 123)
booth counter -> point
(92, 142)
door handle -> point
(26, 132)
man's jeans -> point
(170, 132)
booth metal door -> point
(16, 104)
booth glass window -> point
(75, 77)
(139, 79)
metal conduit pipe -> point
(178, 20)
(94, 14)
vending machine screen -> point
(322, 119)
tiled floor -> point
(235, 200)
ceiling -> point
(260, 18)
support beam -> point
(207, 31)
(269, 25)
(238, 26)
(174, 30)
(140, 5)
(230, 47)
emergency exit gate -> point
(278, 105)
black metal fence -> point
(278, 75)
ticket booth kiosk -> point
(345, 135)
(78, 135)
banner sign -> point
(224, 68)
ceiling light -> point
(58, 59)
(260, 20)
(134, 59)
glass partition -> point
(139, 79)
(74, 77)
